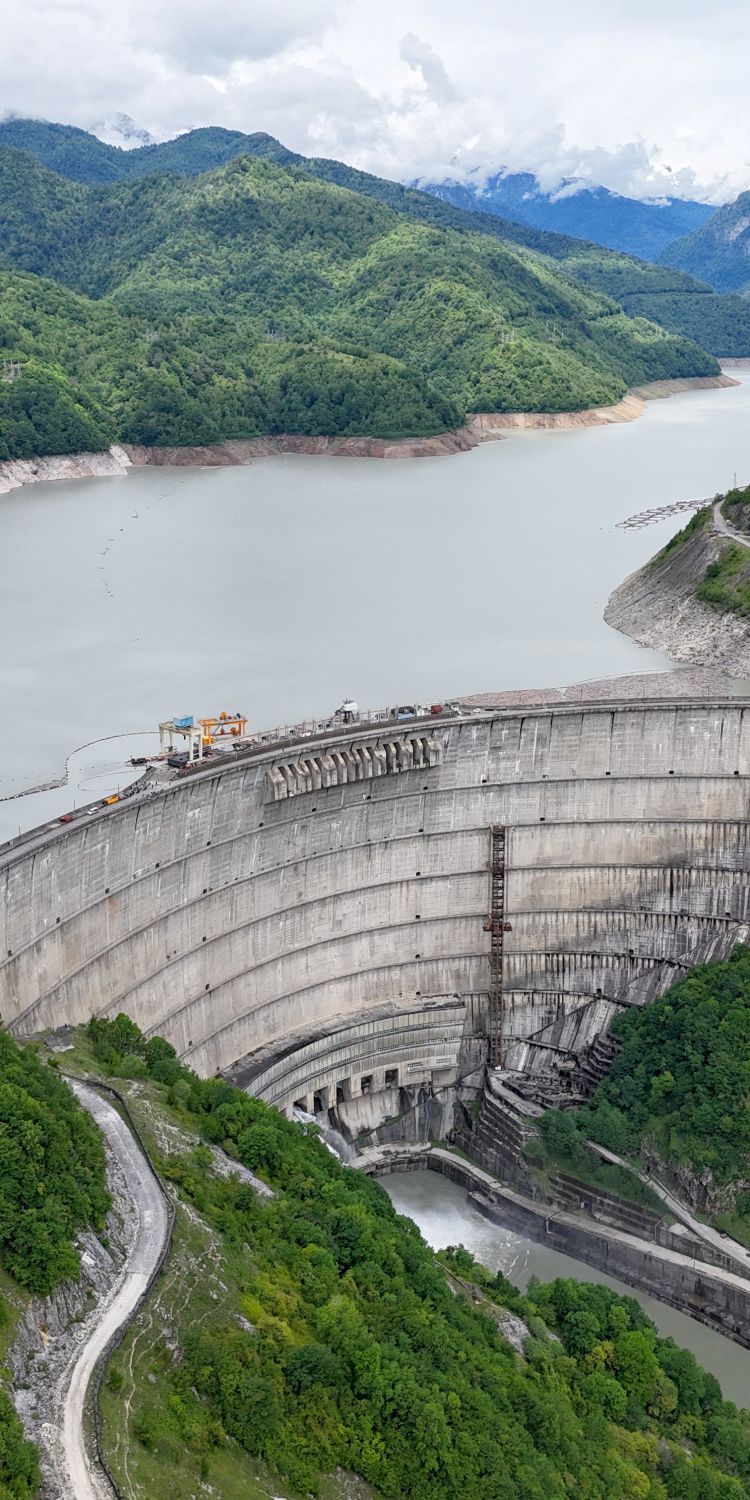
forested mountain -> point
(588, 213)
(674, 300)
(719, 251)
(259, 299)
(84, 158)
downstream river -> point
(445, 1217)
(285, 586)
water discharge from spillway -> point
(333, 1139)
(445, 1216)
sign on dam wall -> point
(241, 927)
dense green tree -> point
(261, 298)
(360, 1353)
(52, 1179)
(680, 1080)
(670, 298)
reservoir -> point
(442, 1212)
(282, 587)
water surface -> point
(282, 587)
(443, 1213)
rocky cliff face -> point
(17, 471)
(699, 1190)
(52, 1330)
(657, 607)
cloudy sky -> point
(645, 96)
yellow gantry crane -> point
(201, 734)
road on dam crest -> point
(83, 1480)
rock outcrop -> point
(657, 607)
(17, 471)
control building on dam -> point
(382, 910)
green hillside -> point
(678, 1089)
(52, 1183)
(90, 374)
(258, 299)
(718, 252)
(315, 1330)
(678, 303)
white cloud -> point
(645, 98)
(424, 60)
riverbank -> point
(480, 427)
(683, 1279)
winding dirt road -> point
(725, 528)
(85, 1481)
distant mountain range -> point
(639, 228)
(719, 251)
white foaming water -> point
(444, 1215)
(333, 1139)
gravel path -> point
(725, 528)
(84, 1480)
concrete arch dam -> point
(317, 920)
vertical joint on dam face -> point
(274, 902)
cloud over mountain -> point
(644, 99)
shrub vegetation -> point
(354, 1350)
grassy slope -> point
(725, 583)
(677, 301)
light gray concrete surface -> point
(722, 1242)
(231, 924)
(85, 1480)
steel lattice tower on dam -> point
(389, 907)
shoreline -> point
(657, 606)
(480, 427)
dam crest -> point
(318, 922)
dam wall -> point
(270, 903)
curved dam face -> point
(320, 916)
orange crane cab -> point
(223, 726)
(202, 735)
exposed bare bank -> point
(481, 427)
(657, 607)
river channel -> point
(285, 586)
(442, 1212)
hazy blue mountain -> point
(638, 228)
(719, 251)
